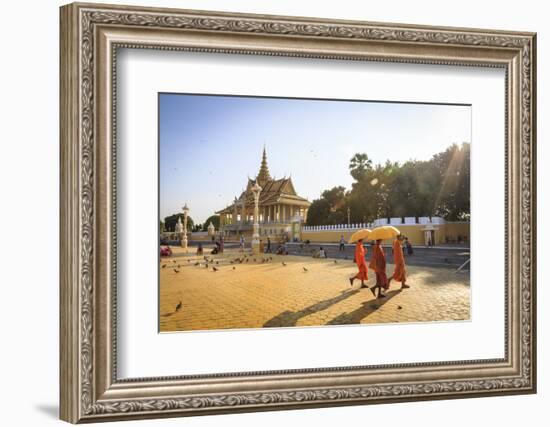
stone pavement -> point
(303, 292)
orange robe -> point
(399, 261)
(378, 264)
(361, 263)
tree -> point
(329, 209)
(171, 221)
(438, 186)
(318, 212)
(214, 219)
(359, 165)
(453, 169)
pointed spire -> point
(263, 175)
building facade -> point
(281, 211)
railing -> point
(375, 223)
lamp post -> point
(184, 237)
(256, 189)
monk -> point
(399, 273)
(363, 273)
(378, 264)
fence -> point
(375, 223)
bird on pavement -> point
(335, 262)
(176, 270)
(163, 265)
(214, 269)
(305, 269)
(233, 267)
(284, 264)
(178, 307)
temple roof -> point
(273, 190)
(263, 175)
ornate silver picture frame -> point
(91, 390)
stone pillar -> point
(184, 236)
(234, 219)
(243, 209)
(256, 227)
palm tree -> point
(358, 165)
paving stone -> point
(256, 295)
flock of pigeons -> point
(207, 262)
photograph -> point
(294, 212)
(270, 208)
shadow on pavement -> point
(289, 318)
(367, 308)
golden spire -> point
(263, 175)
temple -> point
(281, 211)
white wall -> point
(29, 190)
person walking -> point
(268, 248)
(342, 247)
(408, 246)
(399, 273)
(241, 243)
(363, 273)
(378, 264)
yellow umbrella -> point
(384, 232)
(358, 235)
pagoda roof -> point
(273, 191)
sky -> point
(209, 145)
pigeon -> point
(197, 263)
(284, 264)
(233, 267)
(305, 269)
(178, 307)
(176, 270)
(163, 265)
(188, 260)
(335, 262)
(174, 261)
(217, 262)
(214, 269)
(399, 307)
(206, 265)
